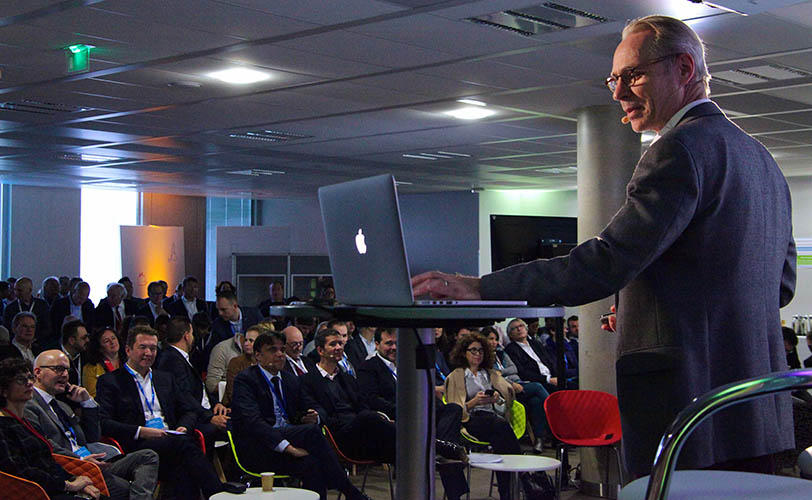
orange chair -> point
(584, 418)
(16, 487)
(366, 463)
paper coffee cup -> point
(267, 481)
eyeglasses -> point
(476, 350)
(631, 76)
(58, 369)
(24, 379)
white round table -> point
(720, 485)
(516, 464)
(278, 493)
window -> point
(102, 212)
(221, 212)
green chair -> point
(246, 471)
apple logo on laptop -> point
(360, 244)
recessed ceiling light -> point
(470, 113)
(472, 102)
(239, 76)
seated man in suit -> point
(74, 344)
(24, 326)
(532, 360)
(232, 318)
(77, 304)
(361, 345)
(26, 301)
(153, 308)
(334, 394)
(112, 310)
(377, 379)
(274, 430)
(294, 343)
(142, 408)
(79, 438)
(175, 360)
(188, 304)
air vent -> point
(269, 136)
(775, 72)
(738, 76)
(540, 19)
(439, 155)
(40, 107)
(256, 172)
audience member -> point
(225, 286)
(241, 362)
(77, 304)
(140, 405)
(103, 356)
(221, 355)
(213, 416)
(486, 399)
(64, 286)
(232, 318)
(201, 323)
(112, 309)
(127, 283)
(49, 290)
(74, 343)
(24, 452)
(441, 368)
(24, 326)
(333, 393)
(345, 364)
(361, 345)
(168, 301)
(25, 301)
(377, 381)
(78, 437)
(276, 296)
(530, 394)
(275, 430)
(188, 304)
(533, 363)
(5, 293)
(570, 359)
(572, 333)
(790, 346)
(153, 308)
(808, 361)
(294, 343)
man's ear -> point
(687, 68)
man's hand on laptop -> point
(446, 286)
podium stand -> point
(415, 361)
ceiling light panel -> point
(239, 76)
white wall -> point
(45, 226)
(801, 191)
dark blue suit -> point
(255, 437)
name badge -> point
(82, 452)
(155, 423)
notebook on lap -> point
(366, 247)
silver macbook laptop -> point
(365, 243)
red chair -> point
(584, 418)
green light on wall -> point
(78, 57)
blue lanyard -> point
(140, 388)
(439, 371)
(280, 399)
(347, 366)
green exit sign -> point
(78, 57)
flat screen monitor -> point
(522, 238)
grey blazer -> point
(509, 370)
(701, 257)
(48, 424)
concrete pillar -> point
(607, 153)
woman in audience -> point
(530, 394)
(243, 361)
(103, 356)
(486, 399)
(23, 451)
(225, 286)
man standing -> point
(25, 301)
(295, 363)
(78, 438)
(274, 430)
(701, 257)
(142, 409)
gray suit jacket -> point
(48, 424)
(701, 257)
